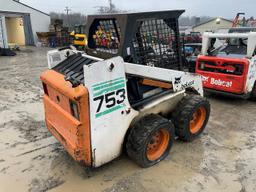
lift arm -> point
(180, 80)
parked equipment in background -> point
(191, 51)
(243, 22)
(78, 37)
(228, 63)
(236, 20)
(242, 30)
(192, 37)
(56, 37)
(46, 39)
(99, 107)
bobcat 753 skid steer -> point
(97, 107)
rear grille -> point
(73, 67)
(225, 68)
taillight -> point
(45, 89)
(74, 110)
(230, 68)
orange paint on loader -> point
(72, 133)
(158, 144)
(156, 83)
(197, 120)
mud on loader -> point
(98, 107)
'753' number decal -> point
(111, 99)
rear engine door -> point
(223, 74)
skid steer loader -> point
(228, 64)
(97, 107)
(79, 39)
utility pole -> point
(67, 11)
(111, 7)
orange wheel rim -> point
(197, 120)
(158, 145)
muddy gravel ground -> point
(222, 159)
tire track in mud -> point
(130, 183)
(42, 185)
(30, 129)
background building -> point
(20, 22)
(213, 25)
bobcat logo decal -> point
(177, 80)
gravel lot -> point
(222, 159)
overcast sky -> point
(223, 8)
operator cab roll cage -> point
(145, 38)
(248, 50)
(148, 38)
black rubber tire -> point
(183, 113)
(253, 93)
(141, 134)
